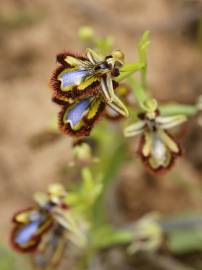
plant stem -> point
(128, 70)
(174, 108)
(139, 92)
(111, 171)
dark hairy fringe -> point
(84, 130)
(20, 212)
(60, 58)
(61, 102)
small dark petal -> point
(157, 112)
(115, 72)
(115, 84)
(141, 116)
(64, 206)
(60, 58)
(108, 57)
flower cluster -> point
(84, 87)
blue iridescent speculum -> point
(75, 114)
(71, 78)
(27, 232)
(30, 225)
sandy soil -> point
(32, 32)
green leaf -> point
(143, 46)
(142, 52)
(174, 108)
(86, 33)
(184, 241)
(106, 236)
(11, 261)
(83, 197)
(111, 168)
(72, 199)
(129, 69)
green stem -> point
(142, 52)
(144, 77)
(84, 262)
(174, 108)
(86, 174)
(141, 96)
(128, 70)
(111, 170)
(113, 238)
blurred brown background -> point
(33, 32)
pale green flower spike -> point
(83, 153)
(86, 33)
(147, 234)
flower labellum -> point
(78, 117)
(30, 225)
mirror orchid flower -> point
(158, 148)
(32, 223)
(79, 76)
